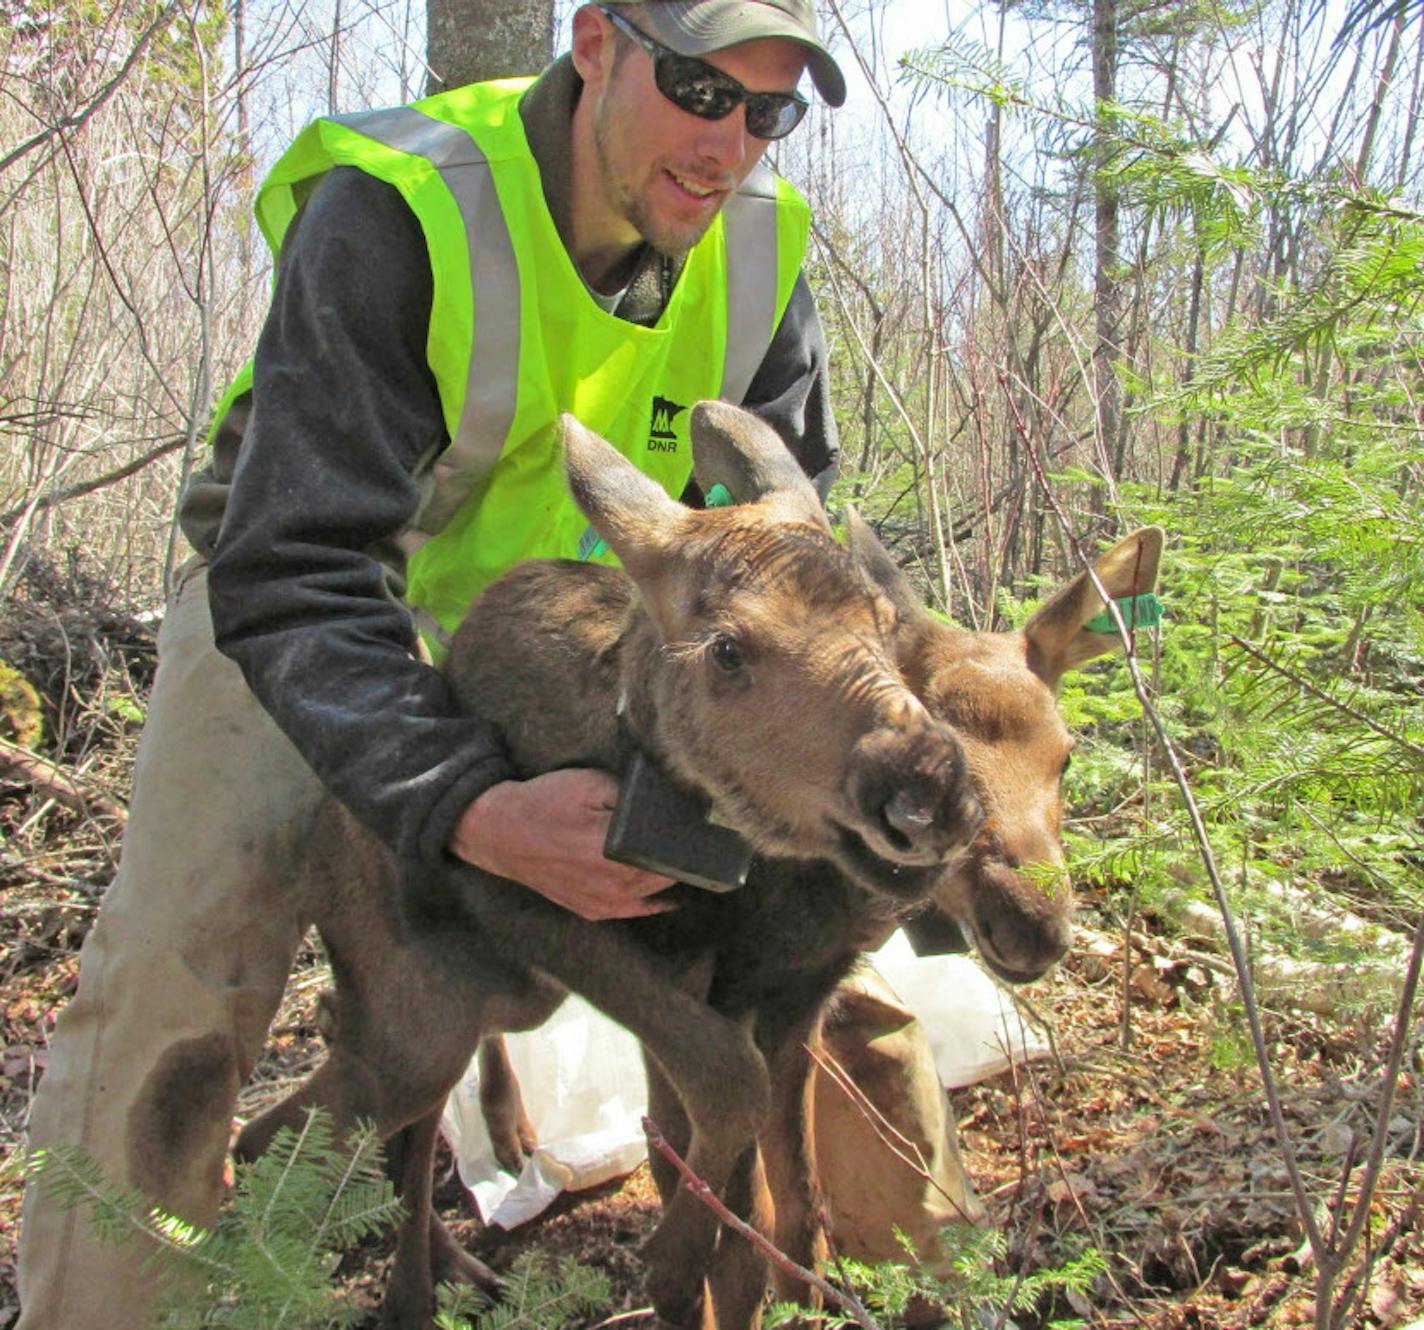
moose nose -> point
(934, 818)
(910, 816)
(915, 793)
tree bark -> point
(470, 40)
(1107, 278)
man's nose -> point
(727, 142)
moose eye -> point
(726, 653)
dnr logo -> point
(662, 438)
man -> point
(450, 278)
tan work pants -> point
(179, 978)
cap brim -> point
(697, 27)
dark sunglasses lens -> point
(773, 115)
(695, 87)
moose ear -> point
(869, 555)
(628, 509)
(1063, 634)
(734, 448)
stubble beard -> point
(669, 239)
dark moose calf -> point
(755, 660)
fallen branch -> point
(58, 784)
(83, 487)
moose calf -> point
(779, 946)
(753, 659)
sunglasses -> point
(702, 90)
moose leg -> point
(450, 1263)
(711, 1061)
(788, 1152)
(511, 1134)
(409, 1159)
(736, 1276)
(736, 1271)
(672, 1247)
(702, 1052)
(410, 1288)
(341, 1086)
(668, 1116)
(665, 1106)
(681, 1248)
(374, 1071)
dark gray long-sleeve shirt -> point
(314, 479)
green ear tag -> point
(1137, 612)
(719, 496)
(591, 544)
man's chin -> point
(670, 237)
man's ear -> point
(593, 44)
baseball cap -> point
(700, 27)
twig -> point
(53, 781)
(848, 1302)
(1321, 695)
(75, 120)
(894, 1140)
(1375, 1163)
(89, 486)
(633, 1314)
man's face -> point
(662, 170)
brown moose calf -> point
(1010, 893)
(748, 654)
(773, 952)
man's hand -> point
(548, 833)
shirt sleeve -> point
(305, 582)
(791, 389)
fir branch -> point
(1393, 736)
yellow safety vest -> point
(516, 338)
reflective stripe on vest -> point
(493, 378)
(750, 219)
(492, 381)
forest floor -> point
(1146, 1137)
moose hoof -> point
(675, 1290)
(679, 1312)
(450, 1263)
(512, 1147)
(399, 1313)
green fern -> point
(538, 1295)
(268, 1262)
(974, 1295)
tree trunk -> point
(1107, 276)
(470, 40)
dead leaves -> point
(1163, 1155)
